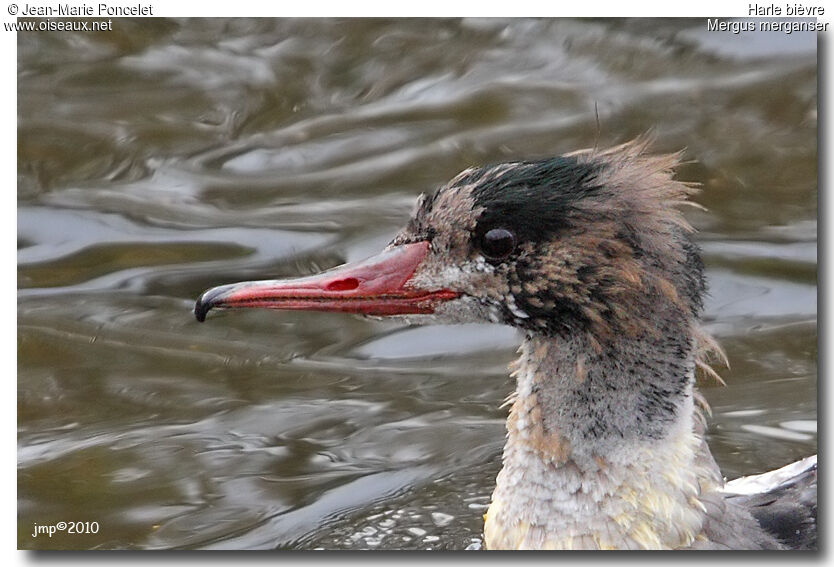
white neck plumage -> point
(577, 477)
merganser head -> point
(589, 255)
(588, 242)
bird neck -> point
(600, 447)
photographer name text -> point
(87, 10)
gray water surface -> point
(169, 156)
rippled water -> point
(166, 157)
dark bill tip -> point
(200, 309)
(207, 301)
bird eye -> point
(498, 243)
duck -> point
(589, 255)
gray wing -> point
(775, 510)
(784, 502)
